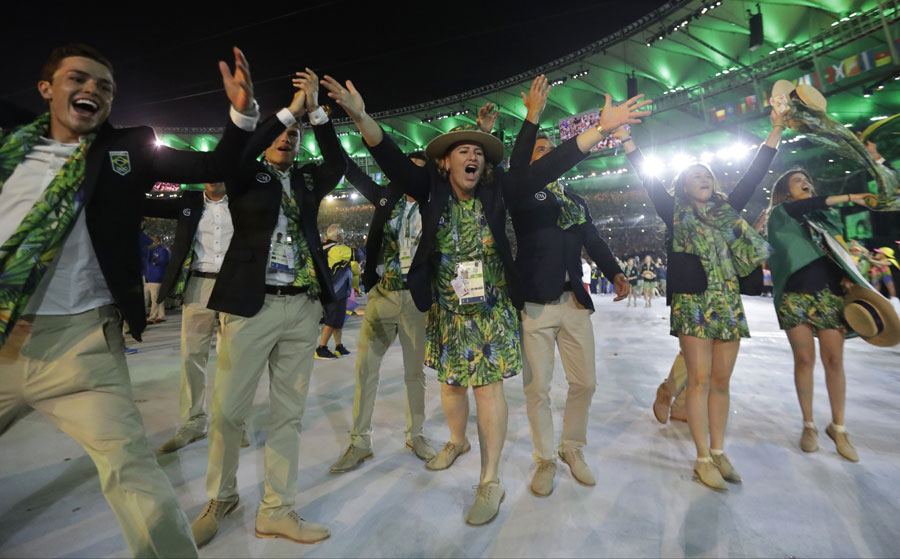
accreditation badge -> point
(469, 282)
(281, 253)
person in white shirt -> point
(71, 187)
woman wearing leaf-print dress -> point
(464, 265)
(710, 247)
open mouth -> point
(85, 107)
(471, 172)
(283, 148)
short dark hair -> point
(51, 65)
(418, 155)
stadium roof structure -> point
(693, 59)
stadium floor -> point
(645, 504)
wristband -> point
(628, 139)
(603, 133)
(779, 124)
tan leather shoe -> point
(445, 458)
(188, 433)
(205, 527)
(488, 497)
(726, 469)
(709, 474)
(662, 403)
(421, 447)
(291, 527)
(842, 442)
(542, 482)
(809, 439)
(580, 471)
(352, 458)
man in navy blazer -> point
(65, 355)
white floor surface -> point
(645, 504)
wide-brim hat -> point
(783, 87)
(871, 316)
(811, 97)
(492, 146)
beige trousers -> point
(198, 326)
(567, 325)
(389, 313)
(280, 338)
(72, 369)
(157, 310)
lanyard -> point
(454, 232)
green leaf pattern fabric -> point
(26, 255)
(477, 343)
(822, 310)
(713, 314)
(392, 279)
(570, 213)
(726, 244)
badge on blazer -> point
(308, 181)
(186, 212)
(263, 177)
(121, 162)
(382, 202)
(540, 196)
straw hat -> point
(492, 146)
(871, 316)
(811, 97)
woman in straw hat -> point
(463, 272)
(808, 296)
(710, 246)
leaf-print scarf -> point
(26, 255)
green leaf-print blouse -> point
(475, 243)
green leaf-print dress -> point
(477, 343)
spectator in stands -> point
(157, 260)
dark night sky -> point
(397, 53)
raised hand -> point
(309, 82)
(627, 113)
(486, 117)
(778, 119)
(866, 199)
(623, 132)
(536, 99)
(347, 97)
(239, 86)
(298, 103)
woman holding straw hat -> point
(463, 273)
(808, 296)
(710, 246)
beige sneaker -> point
(842, 442)
(352, 458)
(291, 527)
(580, 471)
(726, 469)
(421, 447)
(488, 497)
(188, 433)
(709, 474)
(663, 403)
(206, 525)
(445, 458)
(542, 482)
(809, 439)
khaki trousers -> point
(280, 338)
(567, 325)
(389, 313)
(198, 326)
(157, 310)
(72, 369)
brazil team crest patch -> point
(121, 162)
